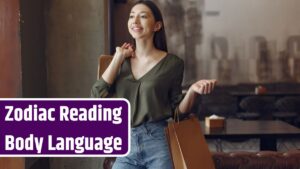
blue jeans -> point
(149, 149)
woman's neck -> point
(144, 48)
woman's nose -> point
(136, 19)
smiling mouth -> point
(137, 29)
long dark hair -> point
(159, 38)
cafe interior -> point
(51, 49)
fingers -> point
(212, 84)
(214, 81)
(130, 47)
(198, 88)
(207, 86)
(124, 44)
(126, 50)
(127, 45)
(204, 86)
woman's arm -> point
(109, 75)
(101, 87)
(200, 87)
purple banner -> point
(64, 127)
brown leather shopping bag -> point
(187, 145)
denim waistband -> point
(145, 127)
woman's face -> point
(141, 22)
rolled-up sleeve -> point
(175, 92)
(100, 89)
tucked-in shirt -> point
(153, 97)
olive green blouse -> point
(153, 97)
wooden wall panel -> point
(10, 57)
(10, 63)
(12, 163)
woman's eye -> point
(131, 16)
(144, 16)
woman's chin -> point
(137, 37)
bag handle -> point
(181, 116)
(176, 115)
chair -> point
(253, 106)
(103, 62)
(287, 109)
(109, 162)
(218, 104)
(256, 107)
(247, 160)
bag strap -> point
(176, 116)
(181, 116)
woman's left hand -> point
(203, 86)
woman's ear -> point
(158, 26)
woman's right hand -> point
(125, 51)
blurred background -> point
(50, 48)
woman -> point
(150, 78)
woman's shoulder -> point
(174, 59)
